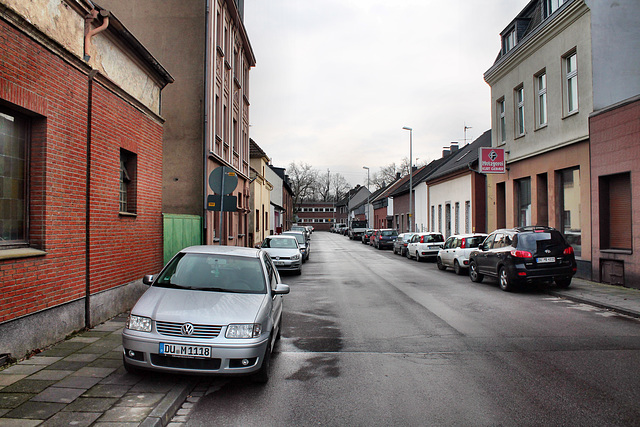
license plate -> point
(547, 259)
(278, 263)
(184, 350)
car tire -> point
(262, 376)
(299, 271)
(418, 259)
(408, 254)
(563, 283)
(440, 265)
(504, 281)
(456, 267)
(473, 273)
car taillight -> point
(568, 251)
(521, 254)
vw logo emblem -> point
(187, 329)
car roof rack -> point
(534, 228)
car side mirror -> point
(281, 289)
(148, 279)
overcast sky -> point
(336, 80)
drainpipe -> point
(87, 255)
(205, 149)
(89, 33)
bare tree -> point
(385, 176)
(339, 186)
(323, 187)
(303, 179)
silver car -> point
(284, 251)
(211, 310)
(456, 250)
(303, 242)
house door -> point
(447, 220)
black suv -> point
(524, 255)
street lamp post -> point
(410, 177)
(367, 212)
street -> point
(371, 338)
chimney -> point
(445, 152)
(454, 147)
(397, 175)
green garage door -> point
(180, 231)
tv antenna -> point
(465, 132)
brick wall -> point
(54, 93)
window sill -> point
(21, 253)
(571, 114)
(517, 137)
(129, 214)
(544, 126)
(617, 251)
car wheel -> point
(299, 271)
(563, 283)
(504, 281)
(408, 254)
(441, 266)
(456, 267)
(473, 273)
(418, 256)
(262, 376)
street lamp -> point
(410, 177)
(367, 212)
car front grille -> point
(184, 362)
(199, 331)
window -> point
(457, 218)
(128, 182)
(550, 6)
(541, 104)
(234, 137)
(509, 41)
(257, 217)
(440, 218)
(433, 218)
(570, 208)
(571, 83)
(615, 211)
(502, 124)
(523, 191)
(519, 104)
(467, 216)
(14, 144)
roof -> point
(463, 158)
(255, 151)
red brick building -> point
(80, 214)
(320, 215)
(615, 180)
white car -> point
(456, 250)
(284, 251)
(424, 245)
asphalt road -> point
(373, 339)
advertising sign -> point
(491, 160)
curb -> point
(168, 406)
(588, 301)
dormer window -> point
(550, 6)
(509, 40)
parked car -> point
(284, 251)
(367, 236)
(302, 228)
(373, 236)
(211, 310)
(339, 227)
(303, 242)
(385, 238)
(424, 245)
(400, 245)
(456, 250)
(524, 255)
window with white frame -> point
(457, 218)
(541, 104)
(550, 6)
(502, 122)
(571, 82)
(509, 40)
(433, 218)
(519, 106)
(467, 216)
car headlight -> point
(246, 330)
(295, 257)
(138, 323)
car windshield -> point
(433, 238)
(538, 241)
(217, 273)
(299, 237)
(280, 243)
(474, 242)
(358, 224)
(389, 233)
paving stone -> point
(3, 411)
(28, 385)
(80, 419)
(36, 410)
(14, 422)
(112, 424)
(50, 374)
(84, 339)
(107, 390)
(81, 357)
(153, 385)
(67, 365)
(141, 399)
(104, 362)
(13, 400)
(22, 369)
(91, 404)
(88, 371)
(78, 382)
(114, 354)
(59, 352)
(121, 378)
(75, 346)
(94, 333)
(125, 414)
(109, 326)
(58, 395)
(6, 379)
(40, 360)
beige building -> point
(260, 199)
(205, 46)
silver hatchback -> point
(211, 310)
